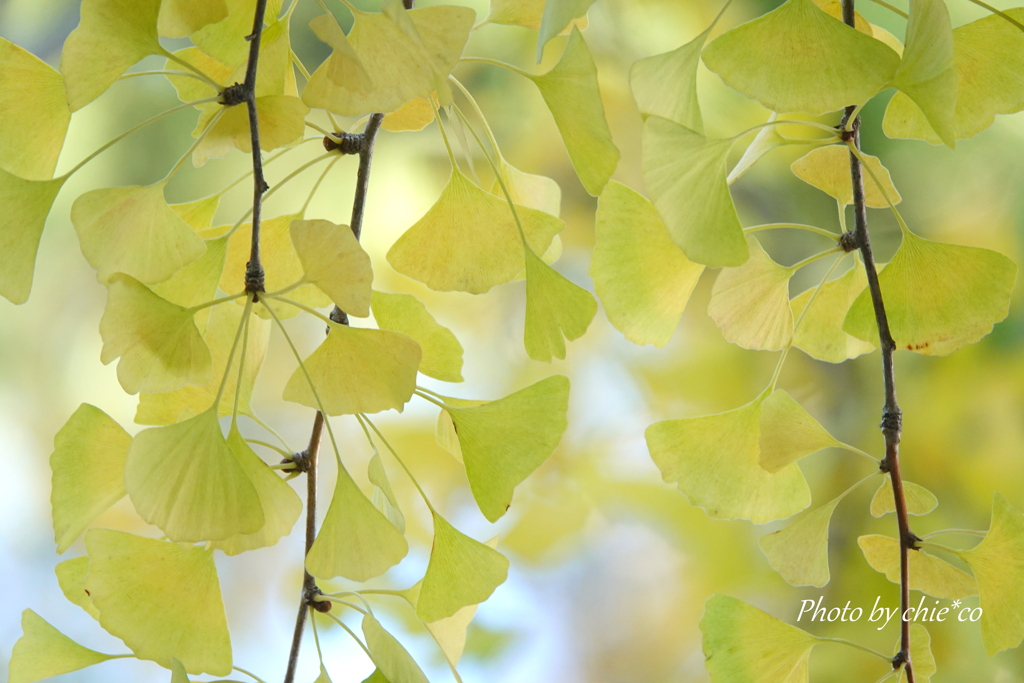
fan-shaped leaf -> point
(560, 16)
(928, 573)
(179, 18)
(393, 661)
(555, 308)
(828, 169)
(333, 260)
(920, 501)
(416, 114)
(71, 579)
(527, 13)
(43, 651)
(26, 204)
(405, 314)
(665, 85)
(799, 553)
(820, 331)
(281, 119)
(788, 432)
(529, 190)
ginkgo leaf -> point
(71, 579)
(751, 302)
(828, 169)
(920, 655)
(938, 296)
(998, 565)
(34, 113)
(178, 673)
(357, 371)
(920, 501)
(529, 190)
(199, 213)
(355, 541)
(384, 498)
(193, 89)
(179, 18)
(393, 661)
(665, 85)
(26, 204)
(989, 58)
(281, 506)
(799, 552)
(797, 58)
(281, 120)
(333, 260)
(88, 464)
(132, 230)
(571, 92)
(461, 572)
(819, 332)
(185, 479)
(197, 282)
(788, 432)
(468, 241)
(527, 13)
(444, 430)
(416, 114)
(43, 652)
(401, 60)
(177, 583)
(376, 677)
(927, 73)
(324, 677)
(742, 643)
(112, 36)
(928, 573)
(225, 40)
(641, 276)
(558, 15)
(685, 174)
(555, 308)
(503, 441)
(714, 461)
(405, 314)
(767, 139)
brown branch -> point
(892, 416)
(254, 275)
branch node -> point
(255, 279)
(311, 597)
(301, 460)
(848, 241)
(346, 143)
(900, 659)
(339, 316)
(892, 424)
(912, 540)
(234, 94)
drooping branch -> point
(254, 275)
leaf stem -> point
(998, 12)
(351, 633)
(850, 643)
(194, 69)
(271, 446)
(891, 8)
(249, 674)
(362, 419)
(242, 324)
(497, 62)
(231, 297)
(811, 259)
(428, 398)
(792, 226)
(304, 307)
(278, 186)
(972, 532)
(202, 136)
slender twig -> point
(254, 275)
(892, 416)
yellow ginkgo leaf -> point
(998, 565)
(503, 441)
(685, 174)
(555, 308)
(71, 579)
(88, 471)
(928, 573)
(558, 17)
(714, 461)
(767, 139)
(571, 92)
(797, 58)
(416, 114)
(132, 230)
(751, 303)
(43, 652)
(920, 655)
(356, 540)
(461, 572)
(529, 14)
(449, 633)
(742, 643)
(178, 583)
(828, 169)
(937, 296)
(468, 241)
(920, 501)
(157, 341)
(820, 332)
(281, 118)
(166, 407)
(405, 314)
(665, 85)
(640, 275)
(34, 113)
(529, 190)
(185, 479)
(199, 213)
(393, 662)
(357, 370)
(788, 432)
(799, 552)
(179, 18)
(197, 282)
(384, 498)
(225, 40)
(444, 430)
(333, 260)
(193, 89)
(112, 36)
(26, 204)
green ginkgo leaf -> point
(196, 283)
(132, 230)
(559, 16)
(26, 204)
(503, 441)
(157, 341)
(333, 260)
(928, 573)
(641, 276)
(185, 479)
(571, 92)
(527, 13)
(998, 565)
(767, 139)
(751, 302)
(34, 114)
(461, 572)
(799, 552)
(179, 18)
(820, 332)
(71, 579)
(529, 190)
(920, 501)
(797, 58)
(405, 314)
(179, 584)
(742, 644)
(198, 214)
(393, 661)
(788, 432)
(685, 174)
(938, 296)
(87, 462)
(444, 430)
(357, 370)
(225, 40)
(355, 541)
(714, 461)
(555, 308)
(828, 169)
(384, 498)
(281, 120)
(920, 655)
(43, 652)
(468, 241)
(449, 633)
(193, 89)
(324, 677)
(665, 85)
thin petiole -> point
(339, 601)
(185, 74)
(316, 185)
(843, 641)
(231, 297)
(781, 122)
(891, 8)
(270, 430)
(249, 674)
(363, 419)
(202, 136)
(496, 62)
(304, 307)
(243, 323)
(354, 636)
(284, 290)
(811, 259)
(972, 532)
(428, 398)
(273, 189)
(197, 71)
(792, 226)
(270, 446)
(878, 184)
(998, 12)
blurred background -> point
(610, 565)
